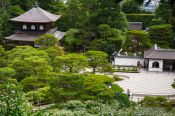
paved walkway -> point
(151, 83)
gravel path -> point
(151, 83)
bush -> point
(144, 18)
(159, 101)
(173, 84)
(117, 78)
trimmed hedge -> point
(144, 18)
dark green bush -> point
(173, 84)
(159, 101)
(144, 18)
(161, 35)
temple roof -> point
(158, 53)
(36, 15)
(32, 37)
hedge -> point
(144, 18)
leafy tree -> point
(99, 87)
(130, 6)
(4, 4)
(87, 15)
(15, 11)
(66, 87)
(137, 41)
(108, 40)
(47, 40)
(2, 57)
(1, 51)
(39, 66)
(57, 7)
(73, 16)
(1, 29)
(71, 62)
(41, 95)
(5, 74)
(164, 12)
(27, 61)
(54, 51)
(161, 35)
(109, 12)
(74, 38)
(96, 59)
(12, 99)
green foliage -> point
(74, 39)
(144, 18)
(144, 111)
(108, 40)
(173, 84)
(73, 105)
(1, 29)
(81, 19)
(15, 11)
(1, 51)
(2, 57)
(108, 68)
(96, 59)
(12, 99)
(97, 108)
(54, 51)
(164, 12)
(6, 73)
(130, 6)
(40, 95)
(161, 35)
(47, 40)
(66, 87)
(109, 13)
(136, 42)
(158, 102)
(96, 87)
(27, 61)
(117, 78)
(71, 62)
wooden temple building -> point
(33, 24)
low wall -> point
(127, 61)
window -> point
(24, 27)
(33, 27)
(41, 27)
(155, 65)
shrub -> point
(173, 84)
(117, 78)
(145, 18)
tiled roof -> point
(36, 15)
(158, 53)
(32, 37)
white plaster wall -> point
(160, 69)
(127, 61)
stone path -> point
(151, 83)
